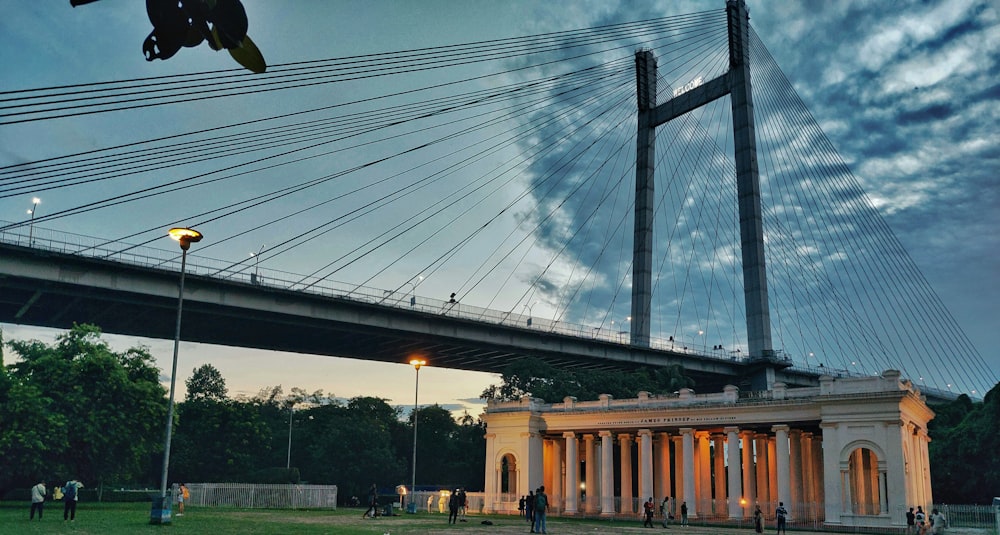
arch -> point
(507, 472)
(863, 478)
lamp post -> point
(35, 201)
(255, 276)
(291, 411)
(412, 506)
(413, 293)
(186, 237)
(530, 313)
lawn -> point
(133, 518)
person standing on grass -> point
(71, 494)
(684, 513)
(182, 496)
(541, 507)
(780, 513)
(453, 505)
(37, 500)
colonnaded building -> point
(852, 451)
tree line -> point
(77, 409)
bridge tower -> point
(736, 83)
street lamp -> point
(413, 294)
(35, 201)
(291, 411)
(412, 506)
(529, 307)
(186, 237)
(255, 276)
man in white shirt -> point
(37, 500)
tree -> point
(206, 382)
(965, 467)
(100, 413)
(534, 377)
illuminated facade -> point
(852, 451)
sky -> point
(906, 91)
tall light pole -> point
(291, 411)
(413, 294)
(255, 276)
(186, 237)
(412, 506)
(35, 201)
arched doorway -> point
(508, 475)
(866, 479)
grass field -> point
(133, 518)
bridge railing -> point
(248, 272)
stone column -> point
(645, 464)
(783, 469)
(772, 474)
(492, 474)
(808, 469)
(688, 462)
(593, 487)
(531, 476)
(819, 476)
(607, 475)
(625, 441)
(749, 474)
(679, 477)
(703, 479)
(733, 443)
(662, 466)
(572, 473)
(834, 482)
(795, 471)
(719, 473)
(558, 457)
(763, 470)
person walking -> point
(665, 511)
(541, 507)
(37, 500)
(758, 520)
(520, 506)
(911, 524)
(937, 521)
(779, 514)
(372, 510)
(529, 509)
(684, 513)
(463, 505)
(71, 494)
(648, 509)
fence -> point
(255, 496)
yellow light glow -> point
(186, 236)
(417, 363)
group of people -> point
(68, 493)
(918, 523)
(780, 518)
(458, 503)
(534, 507)
(649, 512)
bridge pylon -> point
(736, 83)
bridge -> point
(511, 192)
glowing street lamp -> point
(35, 201)
(255, 276)
(412, 506)
(185, 236)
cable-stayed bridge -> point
(511, 191)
